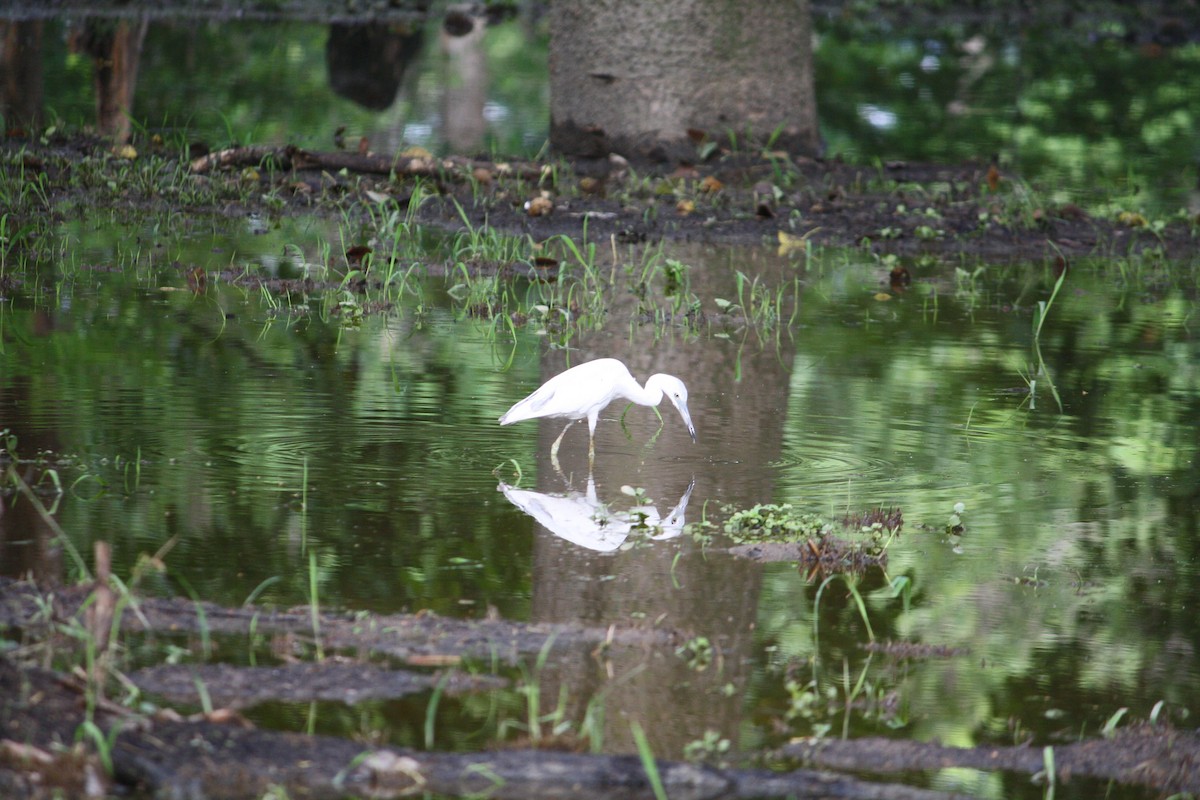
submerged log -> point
(167, 756)
(1154, 756)
(204, 760)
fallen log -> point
(203, 760)
(1161, 757)
(423, 639)
(290, 157)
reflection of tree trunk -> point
(27, 543)
(739, 427)
(367, 61)
(466, 81)
(116, 49)
(635, 75)
(21, 71)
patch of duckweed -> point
(775, 523)
(851, 544)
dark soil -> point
(905, 209)
(969, 211)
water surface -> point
(249, 430)
(263, 441)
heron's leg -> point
(557, 442)
(591, 453)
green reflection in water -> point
(1070, 592)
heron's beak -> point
(687, 418)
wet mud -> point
(911, 210)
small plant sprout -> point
(698, 652)
(710, 748)
(1110, 727)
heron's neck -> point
(651, 395)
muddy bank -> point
(909, 210)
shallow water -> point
(239, 431)
(248, 437)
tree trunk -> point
(21, 73)
(116, 49)
(633, 76)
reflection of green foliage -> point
(1080, 528)
(1091, 119)
(225, 401)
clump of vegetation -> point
(878, 519)
(852, 544)
(775, 523)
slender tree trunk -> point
(634, 76)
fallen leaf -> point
(882, 296)
(416, 151)
(790, 243)
(685, 207)
(434, 660)
(539, 207)
(589, 185)
(711, 185)
(377, 197)
(125, 151)
(993, 178)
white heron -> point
(584, 390)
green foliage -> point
(779, 523)
(710, 748)
(698, 652)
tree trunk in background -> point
(21, 73)
(116, 49)
(632, 76)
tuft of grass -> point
(648, 762)
(852, 586)
(314, 605)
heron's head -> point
(677, 393)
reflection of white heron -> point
(583, 520)
(584, 390)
